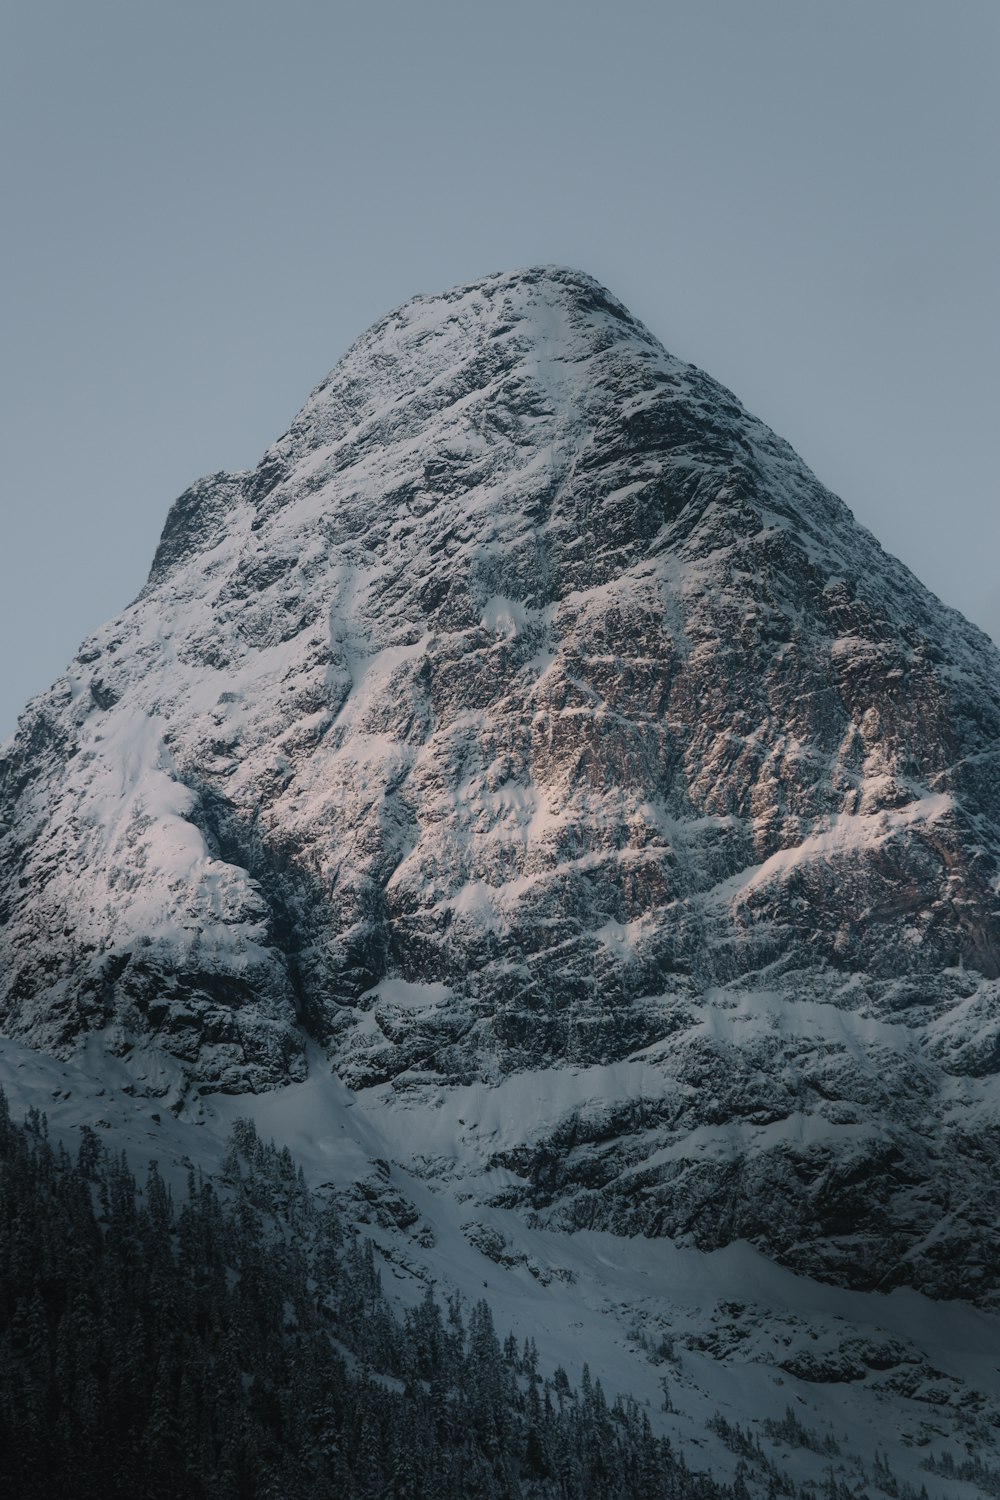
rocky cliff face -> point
(532, 714)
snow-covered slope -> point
(883, 1389)
(531, 731)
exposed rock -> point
(531, 706)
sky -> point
(203, 204)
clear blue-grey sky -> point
(205, 201)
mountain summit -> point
(531, 723)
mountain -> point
(533, 736)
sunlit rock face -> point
(531, 712)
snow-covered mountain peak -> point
(531, 713)
(553, 311)
(525, 336)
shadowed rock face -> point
(531, 706)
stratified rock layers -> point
(531, 706)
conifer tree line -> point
(240, 1346)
